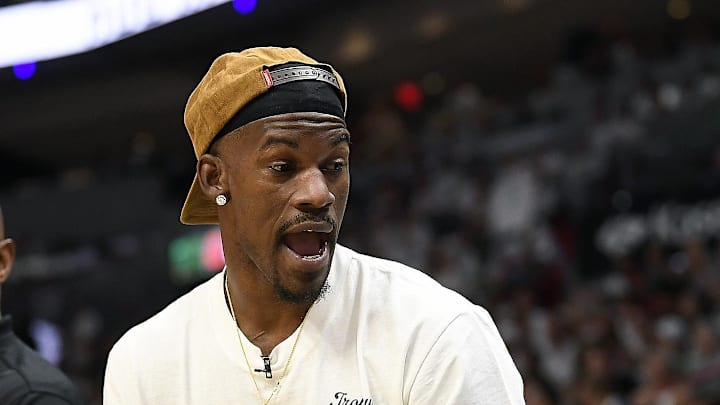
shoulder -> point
(383, 270)
(395, 290)
(400, 282)
(28, 378)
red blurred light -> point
(408, 95)
(212, 256)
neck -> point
(262, 317)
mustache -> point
(306, 217)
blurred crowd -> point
(514, 204)
(553, 213)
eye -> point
(336, 166)
(281, 167)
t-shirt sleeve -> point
(468, 364)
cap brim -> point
(198, 209)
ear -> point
(212, 176)
(7, 257)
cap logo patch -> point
(268, 78)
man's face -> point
(288, 180)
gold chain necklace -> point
(276, 389)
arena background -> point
(557, 162)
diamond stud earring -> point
(221, 200)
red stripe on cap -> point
(268, 78)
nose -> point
(312, 193)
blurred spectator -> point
(659, 382)
(595, 382)
(25, 377)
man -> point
(25, 377)
(295, 318)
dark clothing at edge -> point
(26, 378)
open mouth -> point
(308, 244)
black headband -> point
(299, 95)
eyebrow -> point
(275, 140)
(337, 140)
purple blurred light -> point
(244, 6)
(24, 71)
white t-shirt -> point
(384, 334)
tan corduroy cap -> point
(233, 80)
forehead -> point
(291, 129)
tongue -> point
(304, 243)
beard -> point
(285, 294)
(307, 297)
